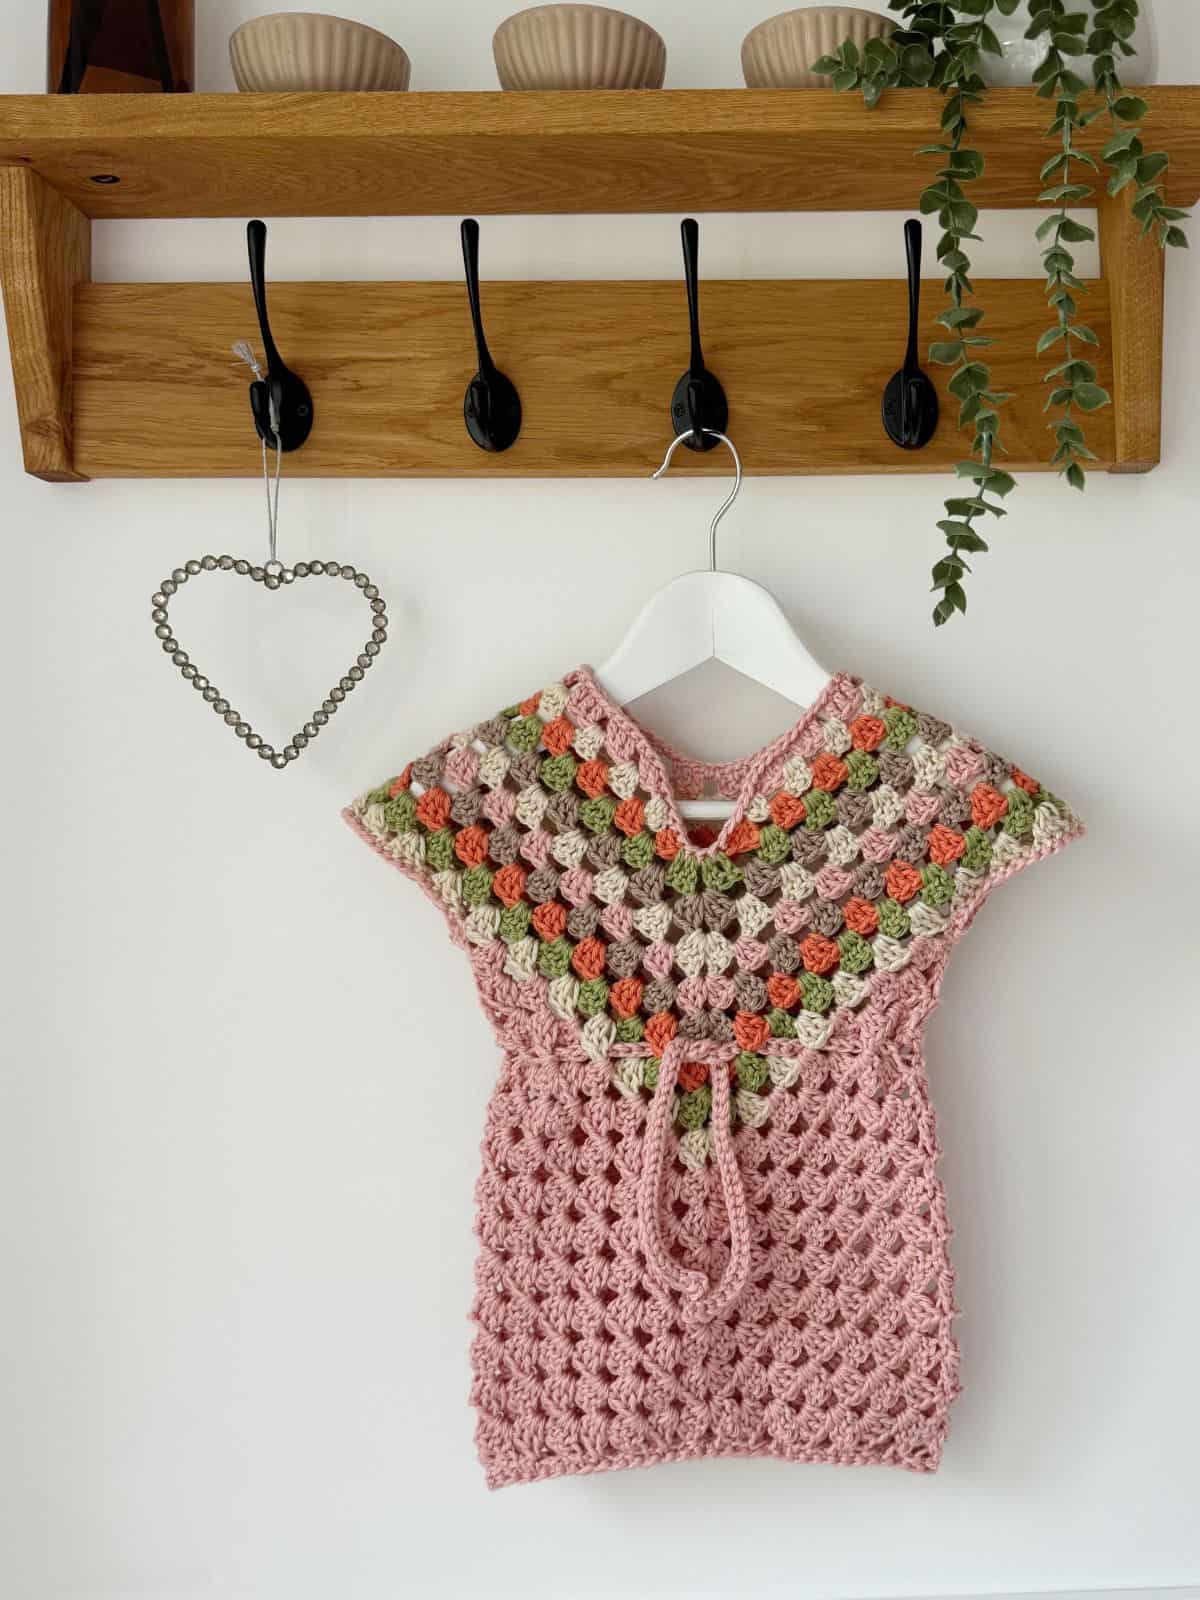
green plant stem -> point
(1074, 379)
(1112, 27)
(971, 381)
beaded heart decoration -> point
(273, 575)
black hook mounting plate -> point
(492, 411)
(700, 404)
(293, 407)
(910, 410)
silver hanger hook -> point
(729, 498)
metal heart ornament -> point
(273, 575)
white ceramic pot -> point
(1021, 55)
(779, 53)
(299, 50)
(578, 47)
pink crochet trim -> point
(667, 772)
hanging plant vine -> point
(1074, 378)
(941, 44)
(1113, 26)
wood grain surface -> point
(1134, 268)
(222, 155)
(158, 394)
(45, 250)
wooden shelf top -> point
(224, 155)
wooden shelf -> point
(231, 155)
(388, 363)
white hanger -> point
(705, 616)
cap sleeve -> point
(988, 817)
(449, 820)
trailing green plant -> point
(1074, 378)
(1112, 28)
(941, 44)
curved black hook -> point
(281, 390)
(491, 406)
(699, 401)
(910, 401)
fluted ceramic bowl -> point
(779, 53)
(578, 47)
(298, 50)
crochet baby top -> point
(709, 1219)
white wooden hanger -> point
(705, 616)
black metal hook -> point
(910, 401)
(491, 406)
(698, 402)
(281, 390)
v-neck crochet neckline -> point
(736, 780)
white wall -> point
(244, 1076)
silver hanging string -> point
(273, 488)
(243, 351)
(729, 498)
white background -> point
(244, 1076)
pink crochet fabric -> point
(708, 1212)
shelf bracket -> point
(1136, 272)
(47, 252)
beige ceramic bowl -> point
(779, 54)
(578, 47)
(298, 50)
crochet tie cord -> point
(709, 1218)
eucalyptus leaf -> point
(947, 570)
(1124, 175)
(1091, 397)
(961, 317)
(916, 63)
(946, 355)
(1130, 108)
(969, 540)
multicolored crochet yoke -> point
(695, 1025)
(550, 835)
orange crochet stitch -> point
(709, 1217)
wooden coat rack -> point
(99, 368)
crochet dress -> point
(709, 1219)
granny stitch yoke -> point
(709, 1218)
